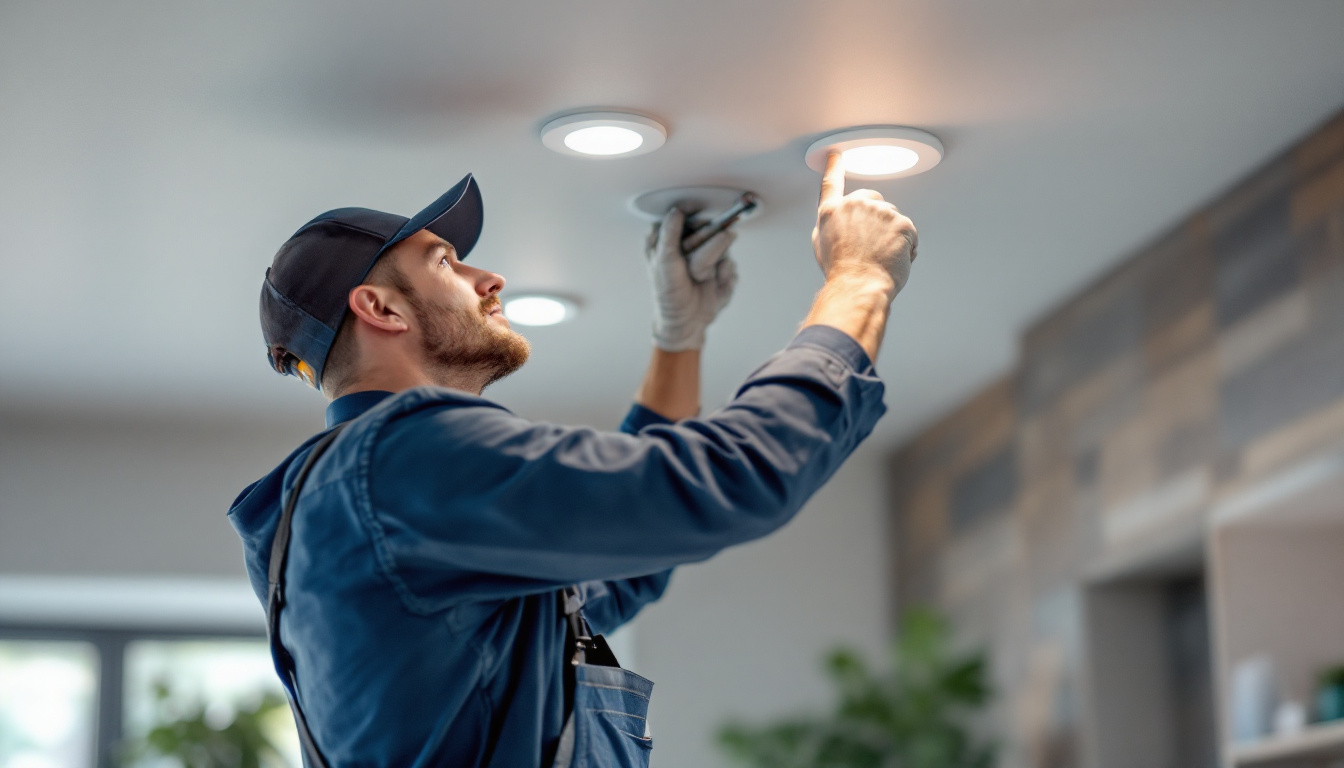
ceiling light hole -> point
(702, 201)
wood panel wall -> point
(1205, 361)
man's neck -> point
(396, 380)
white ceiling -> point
(154, 155)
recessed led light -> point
(604, 140)
(539, 309)
(878, 152)
(603, 134)
(879, 160)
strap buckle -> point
(582, 645)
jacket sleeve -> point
(480, 503)
(610, 604)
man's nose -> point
(489, 283)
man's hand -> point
(861, 233)
(689, 289)
(865, 248)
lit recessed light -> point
(538, 309)
(604, 140)
(879, 160)
(878, 152)
(603, 134)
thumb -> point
(705, 258)
(669, 234)
(726, 278)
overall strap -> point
(275, 600)
(581, 645)
(582, 648)
(580, 639)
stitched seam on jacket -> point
(374, 529)
(364, 496)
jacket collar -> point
(350, 406)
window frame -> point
(110, 643)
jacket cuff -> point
(640, 417)
(837, 342)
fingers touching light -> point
(603, 134)
(539, 310)
(878, 152)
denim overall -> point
(608, 706)
(606, 727)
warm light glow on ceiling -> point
(539, 310)
(603, 134)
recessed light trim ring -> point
(924, 144)
(610, 133)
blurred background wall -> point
(1068, 515)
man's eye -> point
(444, 261)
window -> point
(213, 681)
(86, 698)
(47, 704)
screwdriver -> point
(744, 205)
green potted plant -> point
(1330, 697)
(190, 737)
(914, 716)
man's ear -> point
(379, 306)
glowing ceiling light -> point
(537, 309)
(603, 134)
(604, 140)
(878, 152)
(879, 160)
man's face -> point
(457, 311)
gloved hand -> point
(689, 289)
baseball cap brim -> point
(457, 216)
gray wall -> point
(742, 634)
(128, 494)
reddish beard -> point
(465, 339)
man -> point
(433, 563)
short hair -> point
(343, 359)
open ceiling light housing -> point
(603, 134)
(878, 152)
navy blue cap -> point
(304, 296)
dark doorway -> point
(1189, 664)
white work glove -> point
(689, 290)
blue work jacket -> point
(431, 541)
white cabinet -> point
(1276, 587)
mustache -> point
(489, 304)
